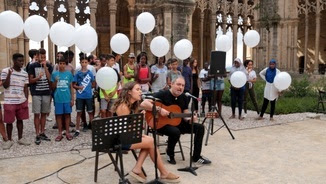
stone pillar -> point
(189, 17)
(20, 39)
(306, 58)
(201, 33)
(26, 40)
(224, 23)
(235, 36)
(295, 46)
(235, 30)
(113, 11)
(50, 7)
(167, 16)
(72, 5)
(317, 40)
(132, 27)
(213, 30)
(244, 47)
(93, 9)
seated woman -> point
(128, 103)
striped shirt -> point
(14, 94)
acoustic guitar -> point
(173, 119)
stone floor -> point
(284, 153)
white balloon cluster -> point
(37, 29)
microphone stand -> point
(155, 115)
(190, 168)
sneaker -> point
(244, 115)
(44, 137)
(55, 126)
(7, 145)
(71, 124)
(23, 141)
(76, 134)
(38, 140)
(48, 119)
(85, 127)
(202, 160)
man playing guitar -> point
(175, 96)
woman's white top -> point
(270, 91)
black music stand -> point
(110, 134)
(216, 70)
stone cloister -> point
(290, 30)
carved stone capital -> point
(93, 4)
(72, 4)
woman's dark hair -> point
(245, 64)
(156, 59)
(62, 59)
(192, 65)
(124, 98)
(141, 55)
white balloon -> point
(183, 49)
(145, 22)
(120, 43)
(62, 34)
(11, 24)
(86, 38)
(251, 38)
(160, 46)
(106, 78)
(36, 28)
(282, 81)
(238, 79)
(223, 43)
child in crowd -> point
(39, 79)
(206, 88)
(63, 96)
(15, 82)
(83, 83)
(108, 97)
(174, 72)
(144, 76)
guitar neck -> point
(179, 115)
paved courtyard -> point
(283, 151)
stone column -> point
(132, 27)
(306, 60)
(113, 11)
(167, 16)
(72, 5)
(295, 46)
(317, 40)
(20, 39)
(235, 30)
(201, 33)
(26, 40)
(93, 8)
(189, 17)
(213, 30)
(50, 7)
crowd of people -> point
(68, 86)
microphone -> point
(150, 98)
(191, 96)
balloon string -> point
(142, 44)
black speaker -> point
(217, 65)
